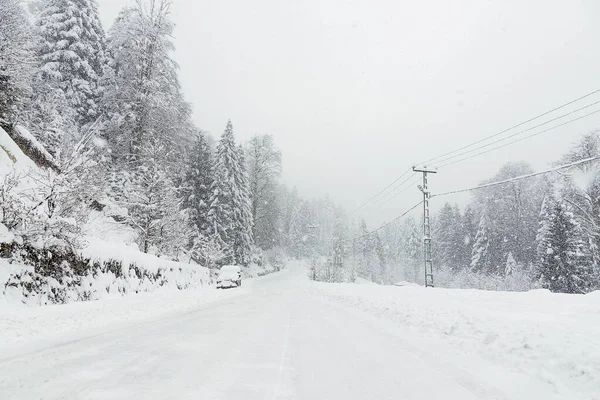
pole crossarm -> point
(424, 169)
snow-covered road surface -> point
(276, 339)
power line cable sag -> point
(411, 184)
(512, 127)
(516, 178)
(381, 191)
(386, 197)
(388, 223)
(520, 139)
(517, 133)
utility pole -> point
(426, 225)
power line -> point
(520, 139)
(517, 133)
(411, 184)
(380, 192)
(389, 222)
(386, 197)
(513, 127)
(519, 177)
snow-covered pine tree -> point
(289, 201)
(243, 222)
(449, 237)
(479, 258)
(390, 238)
(581, 188)
(565, 262)
(220, 214)
(469, 230)
(363, 249)
(298, 230)
(198, 182)
(15, 57)
(380, 272)
(229, 215)
(369, 255)
(333, 268)
(410, 250)
(542, 239)
(511, 265)
(72, 53)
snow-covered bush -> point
(276, 258)
(518, 281)
(257, 256)
(330, 271)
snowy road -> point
(277, 340)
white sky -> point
(356, 91)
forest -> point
(113, 132)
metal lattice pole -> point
(426, 227)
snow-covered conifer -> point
(511, 265)
(333, 268)
(198, 182)
(243, 222)
(564, 259)
(449, 238)
(229, 214)
(72, 53)
(479, 258)
(15, 57)
(299, 230)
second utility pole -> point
(426, 226)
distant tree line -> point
(542, 231)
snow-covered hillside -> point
(115, 266)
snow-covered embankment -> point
(554, 337)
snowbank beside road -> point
(554, 337)
(24, 329)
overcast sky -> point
(356, 91)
